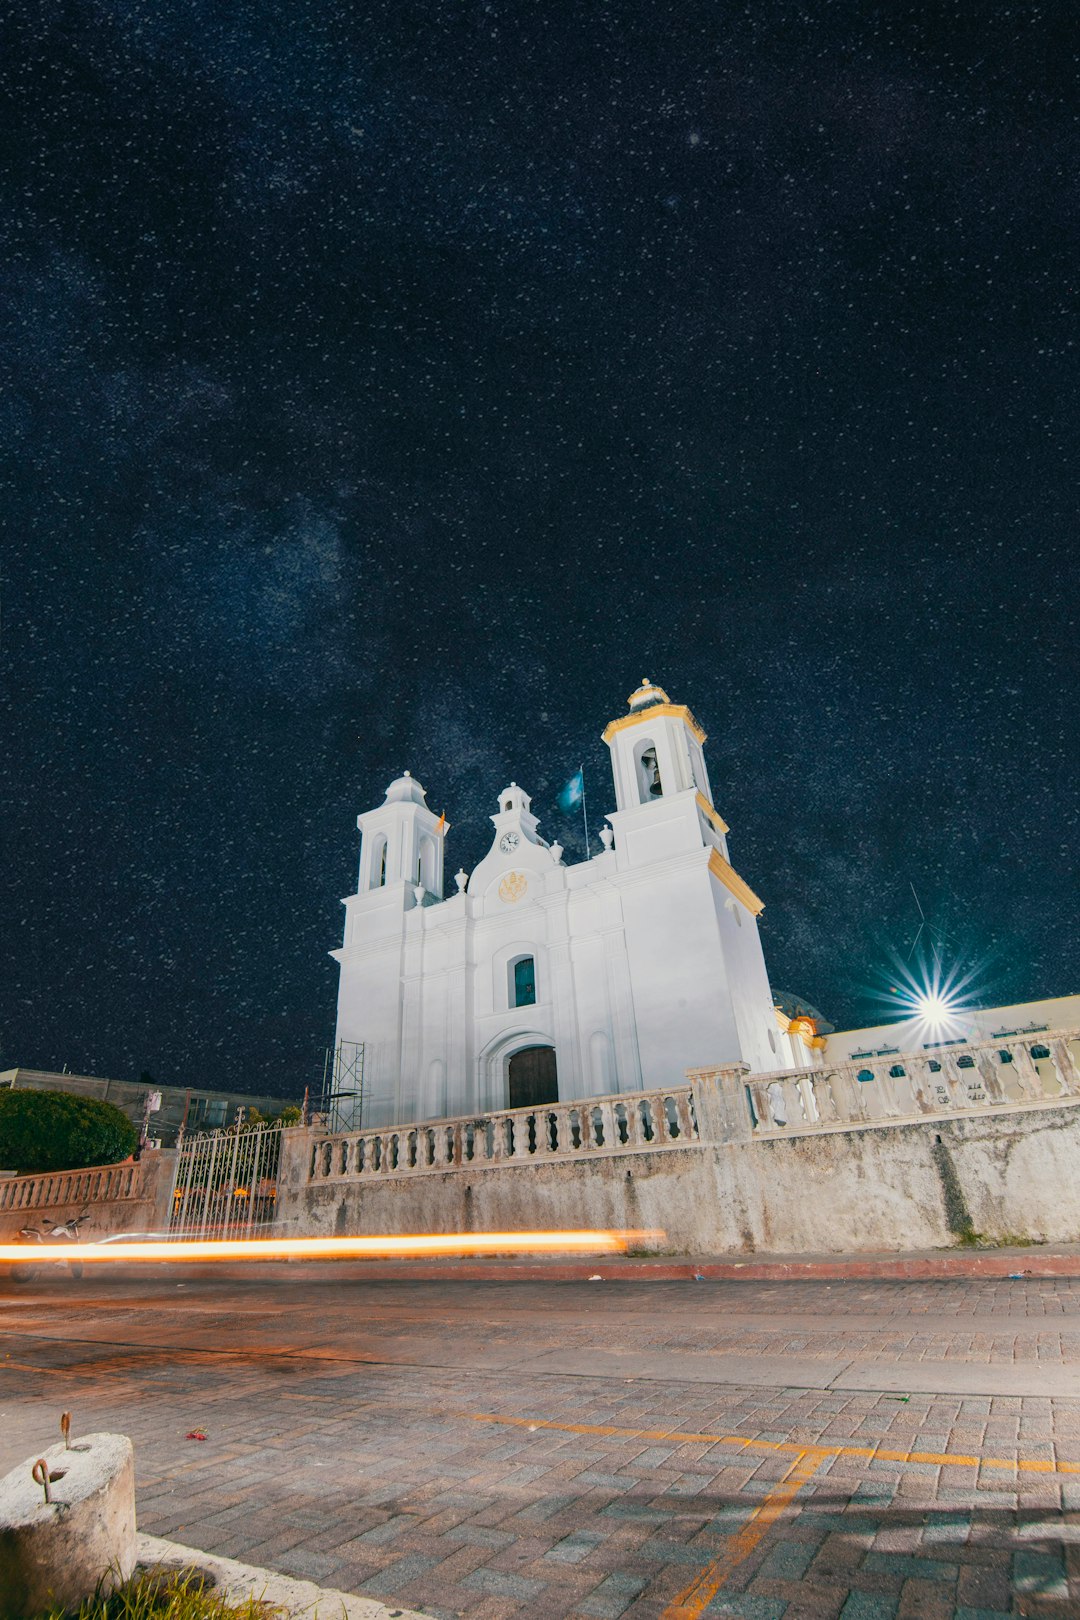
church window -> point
(1004, 1056)
(649, 783)
(865, 1074)
(524, 987)
(897, 1071)
(965, 1063)
(1038, 1052)
(934, 1066)
(378, 865)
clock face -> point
(509, 842)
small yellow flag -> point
(440, 826)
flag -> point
(440, 825)
(572, 793)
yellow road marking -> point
(942, 1459)
(694, 1599)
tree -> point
(53, 1130)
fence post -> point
(720, 1105)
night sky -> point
(395, 385)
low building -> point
(187, 1106)
(950, 1026)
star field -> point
(393, 386)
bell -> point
(652, 769)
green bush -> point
(52, 1130)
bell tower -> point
(402, 841)
(656, 750)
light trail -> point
(405, 1246)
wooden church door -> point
(533, 1079)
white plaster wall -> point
(681, 999)
(746, 981)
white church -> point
(538, 981)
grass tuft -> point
(166, 1597)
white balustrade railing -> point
(724, 1104)
(637, 1122)
(107, 1184)
(1012, 1072)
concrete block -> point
(237, 1583)
(59, 1551)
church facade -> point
(538, 981)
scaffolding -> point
(342, 1101)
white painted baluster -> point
(687, 1129)
(1027, 1074)
(609, 1125)
(761, 1104)
(498, 1139)
(958, 1097)
(1068, 1077)
(1071, 1043)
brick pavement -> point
(376, 1475)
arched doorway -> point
(533, 1077)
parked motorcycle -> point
(66, 1232)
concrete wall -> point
(49, 1200)
(924, 1185)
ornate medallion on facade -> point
(512, 887)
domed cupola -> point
(405, 789)
(646, 694)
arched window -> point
(523, 982)
(1040, 1052)
(647, 769)
(378, 864)
(865, 1074)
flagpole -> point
(585, 813)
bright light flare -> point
(936, 998)
(936, 1009)
(407, 1246)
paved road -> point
(791, 1451)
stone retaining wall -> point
(116, 1198)
(906, 1151)
(926, 1184)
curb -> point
(1011, 1263)
(235, 1582)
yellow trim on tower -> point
(678, 711)
(646, 692)
(714, 815)
(731, 880)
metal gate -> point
(226, 1183)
